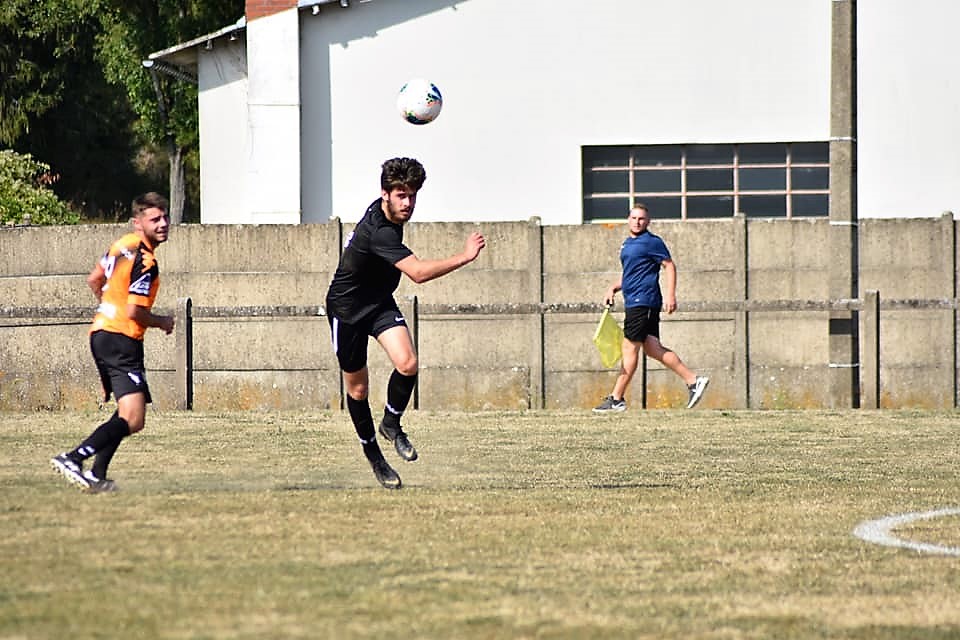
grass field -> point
(657, 524)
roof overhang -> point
(180, 61)
(315, 5)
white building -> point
(568, 110)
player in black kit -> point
(360, 304)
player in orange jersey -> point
(125, 282)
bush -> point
(25, 195)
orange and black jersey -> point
(133, 277)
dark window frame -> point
(681, 160)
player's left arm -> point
(669, 285)
(144, 317)
(425, 270)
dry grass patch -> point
(655, 524)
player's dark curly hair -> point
(146, 201)
(402, 172)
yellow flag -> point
(608, 338)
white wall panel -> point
(908, 107)
(526, 84)
(273, 173)
(224, 119)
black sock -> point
(107, 435)
(399, 391)
(363, 424)
(102, 461)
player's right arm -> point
(96, 280)
(425, 270)
(612, 291)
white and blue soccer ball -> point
(419, 101)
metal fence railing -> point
(867, 312)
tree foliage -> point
(133, 30)
(57, 106)
(34, 38)
(74, 93)
(166, 107)
(25, 195)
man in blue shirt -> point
(642, 255)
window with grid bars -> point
(777, 180)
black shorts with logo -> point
(119, 361)
(641, 322)
(350, 340)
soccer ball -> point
(419, 101)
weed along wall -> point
(512, 330)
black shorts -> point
(641, 322)
(119, 360)
(350, 340)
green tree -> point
(74, 93)
(56, 104)
(25, 195)
(166, 107)
(29, 83)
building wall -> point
(273, 178)
(224, 132)
(482, 345)
(526, 84)
(908, 116)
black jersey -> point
(366, 276)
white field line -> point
(878, 531)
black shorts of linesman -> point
(360, 305)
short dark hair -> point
(402, 172)
(149, 200)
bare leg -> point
(629, 359)
(669, 358)
(398, 344)
(133, 408)
(357, 383)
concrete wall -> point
(918, 346)
(482, 343)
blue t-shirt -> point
(641, 257)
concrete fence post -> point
(183, 359)
(870, 350)
(537, 390)
(844, 237)
(741, 318)
(949, 236)
(410, 309)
